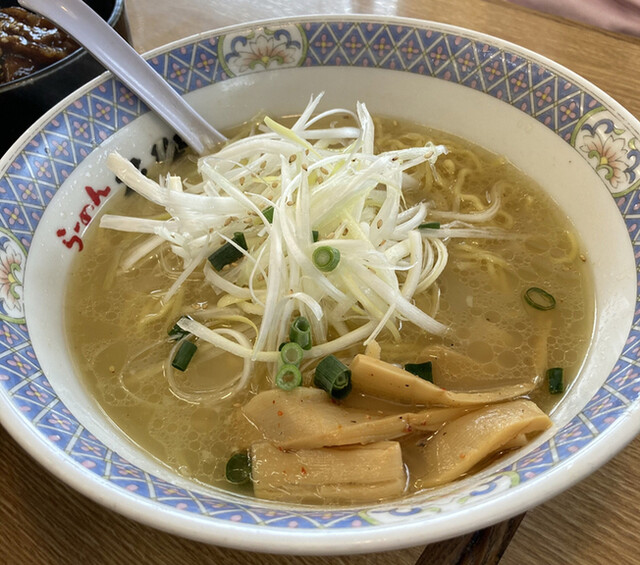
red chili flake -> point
(280, 413)
(462, 455)
(408, 429)
(303, 470)
(273, 401)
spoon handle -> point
(104, 43)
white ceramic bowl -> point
(565, 133)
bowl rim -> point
(114, 16)
(314, 542)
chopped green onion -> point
(555, 378)
(183, 355)
(333, 376)
(326, 258)
(238, 470)
(288, 377)
(429, 226)
(300, 332)
(291, 353)
(422, 370)
(268, 214)
(228, 253)
(315, 234)
(176, 332)
(539, 299)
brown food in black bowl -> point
(28, 43)
(58, 66)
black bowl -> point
(24, 100)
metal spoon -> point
(104, 43)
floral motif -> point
(466, 63)
(602, 405)
(11, 270)
(33, 391)
(59, 422)
(81, 129)
(519, 82)
(17, 363)
(60, 148)
(28, 191)
(568, 111)
(42, 169)
(628, 377)
(7, 335)
(612, 151)
(127, 471)
(94, 449)
(438, 56)
(13, 216)
(353, 45)
(263, 49)
(206, 62)
(178, 72)
(126, 96)
(381, 47)
(610, 155)
(544, 96)
(103, 111)
(324, 44)
(493, 70)
(410, 50)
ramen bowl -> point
(563, 132)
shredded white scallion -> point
(321, 178)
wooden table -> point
(596, 522)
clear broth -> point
(117, 327)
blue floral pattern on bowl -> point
(32, 178)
